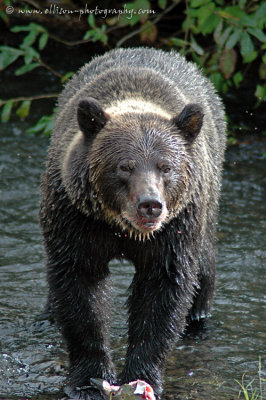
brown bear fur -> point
(134, 171)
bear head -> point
(131, 167)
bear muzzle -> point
(146, 213)
(149, 207)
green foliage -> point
(45, 126)
(8, 55)
(34, 31)
(22, 111)
(6, 111)
(238, 37)
(261, 93)
(32, 59)
(96, 34)
(67, 76)
(132, 14)
(224, 38)
(36, 35)
(251, 393)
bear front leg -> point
(157, 314)
(80, 304)
(203, 297)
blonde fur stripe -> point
(136, 106)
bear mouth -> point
(142, 225)
(148, 225)
(139, 226)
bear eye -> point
(127, 166)
(124, 168)
(164, 168)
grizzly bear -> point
(134, 172)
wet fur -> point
(83, 207)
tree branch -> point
(31, 98)
(143, 28)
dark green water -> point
(33, 364)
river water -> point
(33, 362)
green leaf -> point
(134, 13)
(148, 35)
(261, 12)
(102, 35)
(89, 34)
(226, 84)
(20, 28)
(49, 127)
(217, 79)
(132, 20)
(139, 5)
(26, 68)
(262, 71)
(250, 57)
(31, 27)
(196, 58)
(29, 39)
(162, 3)
(238, 78)
(67, 76)
(209, 24)
(198, 3)
(30, 53)
(242, 3)
(44, 125)
(249, 21)
(218, 31)
(6, 112)
(193, 13)
(43, 40)
(23, 111)
(189, 25)
(28, 58)
(4, 17)
(260, 92)
(38, 28)
(246, 44)
(34, 30)
(233, 13)
(226, 15)
(91, 21)
(259, 34)
(178, 42)
(228, 62)
(8, 55)
(196, 47)
(207, 20)
(224, 36)
(233, 39)
(97, 34)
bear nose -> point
(149, 208)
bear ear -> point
(91, 117)
(190, 121)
